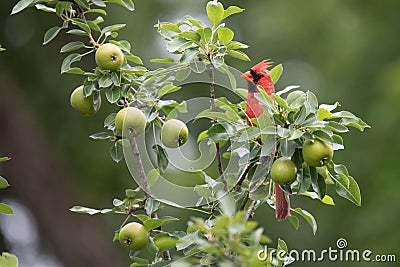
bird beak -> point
(247, 76)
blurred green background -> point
(346, 51)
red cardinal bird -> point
(259, 75)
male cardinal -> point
(259, 76)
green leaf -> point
(239, 55)
(203, 191)
(178, 44)
(90, 211)
(162, 157)
(169, 219)
(138, 261)
(100, 136)
(190, 35)
(296, 99)
(236, 45)
(99, 3)
(218, 115)
(4, 159)
(51, 34)
(21, 5)
(3, 183)
(227, 205)
(205, 34)
(151, 224)
(152, 177)
(232, 10)
(225, 35)
(330, 107)
(337, 127)
(105, 81)
(134, 59)
(276, 73)
(169, 26)
(323, 136)
(116, 152)
(83, 3)
(72, 46)
(81, 24)
(8, 260)
(189, 55)
(45, 8)
(66, 64)
(348, 189)
(324, 114)
(112, 28)
(326, 199)
(167, 89)
(151, 205)
(197, 66)
(77, 32)
(75, 71)
(162, 60)
(215, 12)
(98, 11)
(317, 182)
(294, 221)
(5, 209)
(113, 95)
(128, 4)
(141, 217)
(308, 217)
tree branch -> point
(210, 71)
(249, 213)
(139, 165)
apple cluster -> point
(315, 153)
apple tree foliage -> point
(6, 259)
(224, 234)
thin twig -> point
(244, 202)
(146, 188)
(250, 210)
(139, 165)
(218, 148)
(243, 176)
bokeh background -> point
(346, 51)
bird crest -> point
(262, 66)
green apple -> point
(82, 104)
(109, 57)
(134, 236)
(174, 133)
(317, 153)
(130, 122)
(283, 171)
(165, 242)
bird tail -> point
(282, 208)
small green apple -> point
(134, 236)
(283, 171)
(130, 122)
(82, 104)
(174, 133)
(109, 57)
(317, 153)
